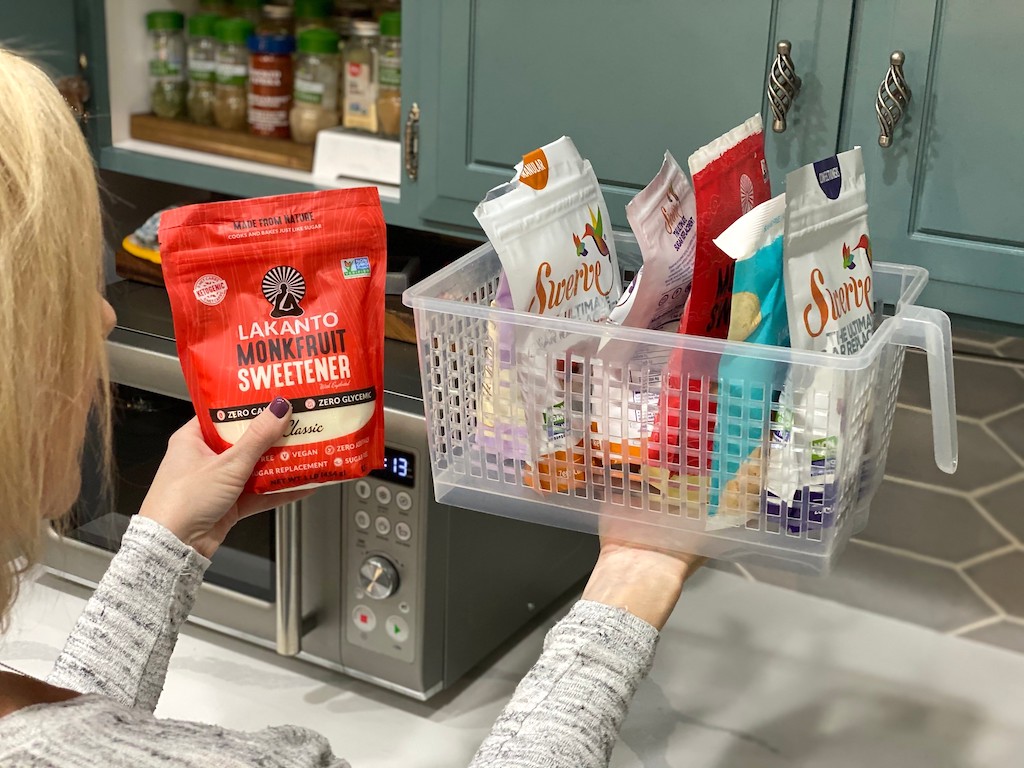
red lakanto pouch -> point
(730, 177)
(284, 296)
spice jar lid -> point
(203, 25)
(235, 31)
(318, 41)
(312, 9)
(365, 28)
(164, 20)
(391, 24)
(277, 12)
(272, 44)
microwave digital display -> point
(399, 467)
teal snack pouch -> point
(746, 383)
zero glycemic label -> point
(264, 305)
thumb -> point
(265, 430)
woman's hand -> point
(197, 494)
(645, 581)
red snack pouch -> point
(284, 296)
(730, 177)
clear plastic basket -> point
(608, 381)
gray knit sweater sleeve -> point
(123, 640)
(568, 709)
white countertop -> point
(747, 675)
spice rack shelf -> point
(202, 138)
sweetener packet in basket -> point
(663, 217)
(730, 177)
(547, 228)
(747, 382)
(284, 296)
(828, 272)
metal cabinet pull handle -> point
(412, 142)
(783, 85)
(893, 97)
(76, 92)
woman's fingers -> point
(263, 431)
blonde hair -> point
(51, 327)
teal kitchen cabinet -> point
(947, 193)
(625, 80)
(105, 40)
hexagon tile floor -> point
(945, 551)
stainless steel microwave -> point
(372, 578)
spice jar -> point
(232, 74)
(389, 89)
(250, 10)
(166, 63)
(311, 14)
(360, 70)
(277, 20)
(316, 85)
(202, 64)
(270, 84)
(213, 7)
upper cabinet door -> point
(58, 35)
(44, 31)
(626, 80)
(947, 193)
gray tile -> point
(921, 593)
(914, 381)
(911, 457)
(1010, 429)
(1012, 349)
(962, 333)
(930, 523)
(1005, 634)
(983, 389)
(1002, 579)
(1007, 506)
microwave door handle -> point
(288, 606)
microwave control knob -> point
(378, 577)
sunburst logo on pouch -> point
(284, 288)
(746, 193)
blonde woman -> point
(96, 707)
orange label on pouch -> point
(535, 169)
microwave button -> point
(403, 531)
(403, 607)
(383, 495)
(383, 525)
(362, 518)
(363, 489)
(403, 500)
(396, 628)
(363, 618)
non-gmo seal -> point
(210, 290)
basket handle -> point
(928, 329)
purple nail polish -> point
(279, 407)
